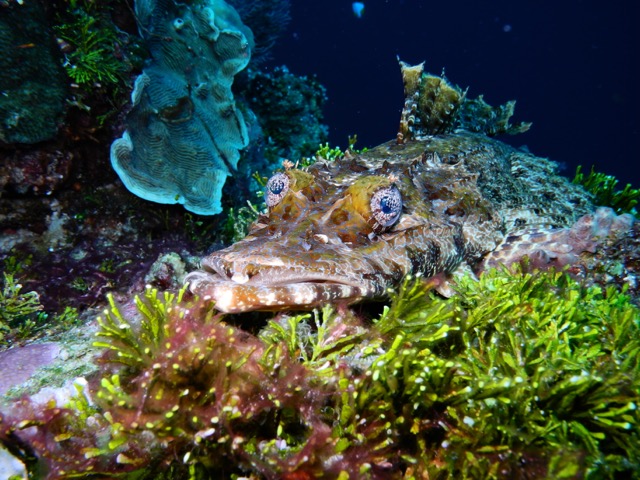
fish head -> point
(324, 238)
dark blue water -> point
(571, 65)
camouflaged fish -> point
(441, 197)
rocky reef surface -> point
(32, 80)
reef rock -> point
(33, 84)
(184, 132)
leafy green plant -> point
(238, 222)
(80, 284)
(17, 309)
(603, 187)
(326, 152)
(519, 375)
(69, 317)
(93, 42)
(313, 338)
(518, 368)
(15, 263)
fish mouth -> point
(237, 288)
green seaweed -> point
(18, 310)
(603, 188)
(15, 264)
(239, 221)
(21, 313)
(93, 44)
(519, 375)
(539, 370)
(326, 152)
(329, 153)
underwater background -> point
(572, 67)
(138, 136)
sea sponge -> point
(184, 133)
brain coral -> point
(184, 131)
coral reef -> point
(184, 132)
(289, 110)
(32, 81)
(61, 204)
(519, 375)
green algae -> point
(329, 153)
(238, 222)
(94, 44)
(523, 370)
(519, 374)
(18, 309)
(605, 191)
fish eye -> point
(386, 205)
(276, 189)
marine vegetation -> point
(92, 45)
(326, 152)
(18, 309)
(239, 221)
(23, 317)
(603, 188)
(520, 375)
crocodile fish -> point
(441, 197)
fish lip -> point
(233, 297)
(253, 282)
(261, 281)
(273, 274)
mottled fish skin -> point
(462, 195)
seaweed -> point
(520, 375)
(18, 310)
(93, 46)
(603, 188)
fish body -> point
(321, 243)
(437, 199)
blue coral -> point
(184, 132)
